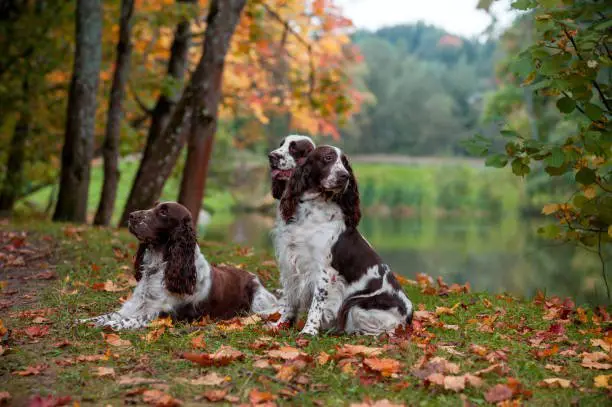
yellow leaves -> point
(3, 329)
(446, 310)
(323, 358)
(603, 381)
(590, 192)
(115, 340)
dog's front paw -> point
(309, 330)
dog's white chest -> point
(304, 247)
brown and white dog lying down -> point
(326, 265)
(174, 278)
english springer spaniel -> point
(174, 278)
(292, 151)
(326, 265)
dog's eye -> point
(163, 210)
(328, 158)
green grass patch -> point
(93, 255)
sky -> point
(458, 17)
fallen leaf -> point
(554, 368)
(555, 382)
(108, 286)
(222, 357)
(101, 371)
(136, 381)
(446, 310)
(162, 322)
(257, 397)
(3, 329)
(215, 395)
(603, 381)
(115, 340)
(31, 370)
(154, 335)
(2, 350)
(262, 364)
(37, 331)
(542, 354)
(62, 344)
(286, 373)
(286, 353)
(454, 383)
(198, 342)
(603, 344)
(158, 398)
(593, 360)
(348, 350)
(498, 368)
(498, 393)
(323, 358)
(386, 367)
(478, 349)
(211, 379)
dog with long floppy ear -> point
(300, 182)
(349, 200)
(179, 252)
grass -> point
(90, 255)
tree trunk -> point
(110, 150)
(78, 144)
(177, 65)
(197, 109)
(13, 181)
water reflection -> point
(503, 255)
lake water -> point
(494, 255)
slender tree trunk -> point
(221, 23)
(110, 150)
(13, 181)
(196, 111)
(78, 144)
(177, 66)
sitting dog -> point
(326, 265)
(174, 278)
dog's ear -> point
(349, 200)
(179, 255)
(138, 259)
(298, 184)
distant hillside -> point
(426, 86)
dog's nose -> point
(273, 157)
